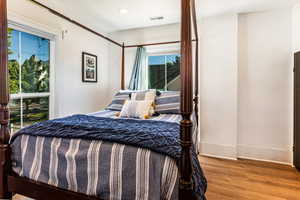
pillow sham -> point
(136, 109)
(168, 102)
(118, 101)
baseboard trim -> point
(218, 151)
(280, 156)
(274, 155)
(219, 157)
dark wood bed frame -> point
(11, 183)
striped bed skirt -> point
(106, 170)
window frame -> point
(50, 94)
(160, 53)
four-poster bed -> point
(10, 182)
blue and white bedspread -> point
(101, 156)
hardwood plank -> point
(250, 180)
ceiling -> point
(104, 15)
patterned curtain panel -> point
(138, 79)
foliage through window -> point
(29, 72)
(164, 72)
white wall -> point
(265, 86)
(218, 81)
(296, 28)
(71, 95)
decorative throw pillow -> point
(119, 100)
(145, 95)
(136, 109)
(168, 102)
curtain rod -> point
(75, 22)
(153, 44)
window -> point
(164, 72)
(29, 72)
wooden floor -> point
(250, 180)
(247, 180)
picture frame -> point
(89, 67)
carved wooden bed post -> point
(123, 68)
(196, 98)
(185, 182)
(4, 99)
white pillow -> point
(136, 109)
(145, 95)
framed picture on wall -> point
(89, 68)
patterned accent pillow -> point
(119, 100)
(145, 95)
(168, 102)
(136, 109)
